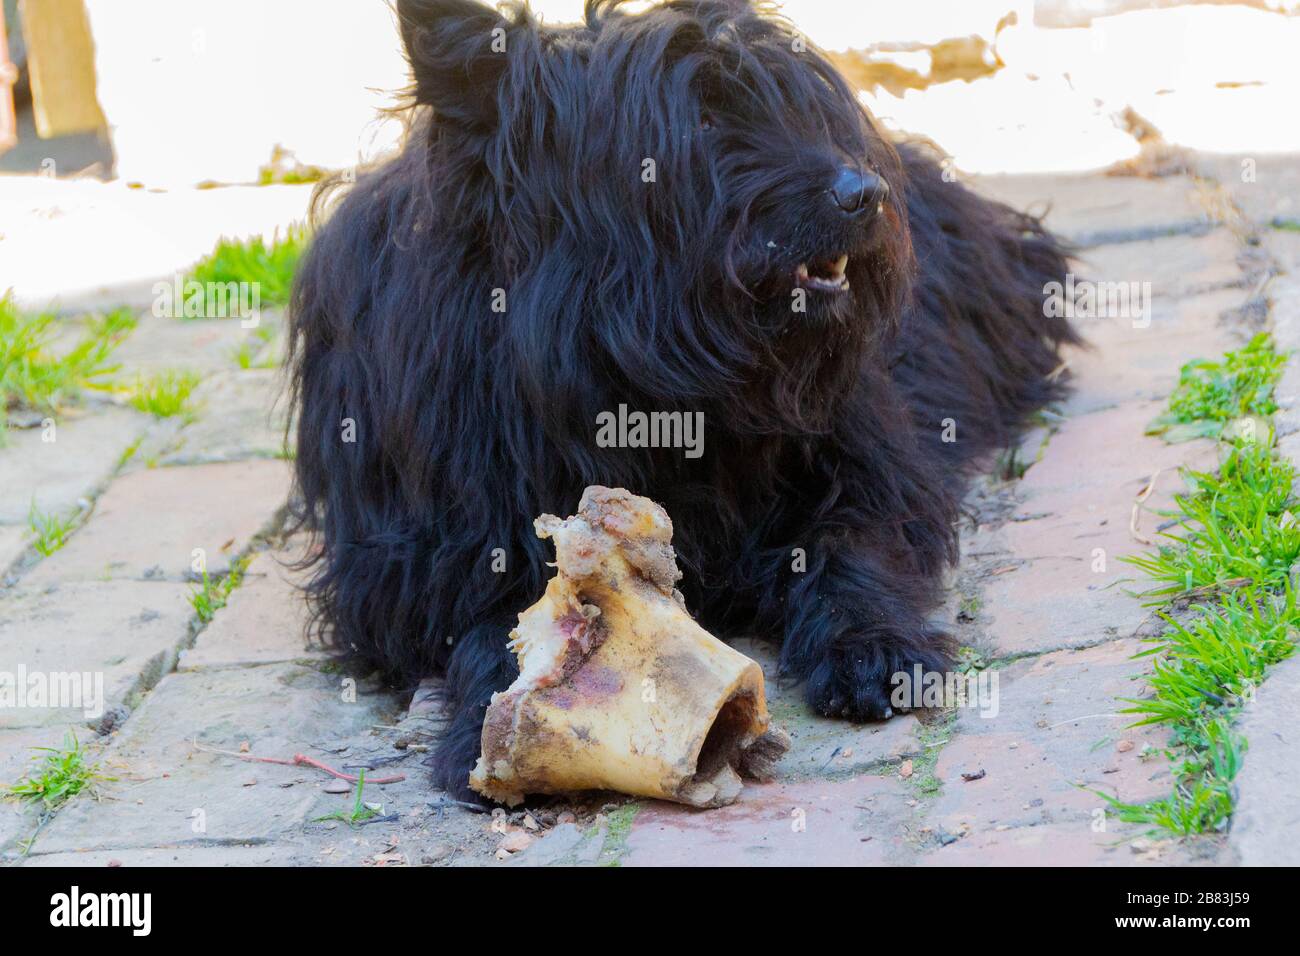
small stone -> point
(439, 851)
(515, 841)
(565, 817)
(905, 771)
(977, 775)
(530, 823)
(337, 785)
(1124, 746)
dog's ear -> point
(457, 51)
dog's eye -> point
(706, 122)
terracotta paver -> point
(120, 637)
(856, 822)
(245, 420)
(148, 524)
(57, 475)
(200, 345)
(1094, 210)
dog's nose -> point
(856, 191)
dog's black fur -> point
(825, 429)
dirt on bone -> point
(619, 688)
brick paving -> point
(1041, 598)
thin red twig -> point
(299, 760)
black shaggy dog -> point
(681, 210)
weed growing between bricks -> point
(248, 355)
(1234, 543)
(50, 531)
(60, 774)
(210, 595)
(619, 824)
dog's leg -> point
(481, 664)
(876, 537)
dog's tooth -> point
(840, 264)
(802, 271)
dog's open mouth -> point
(824, 275)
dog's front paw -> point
(850, 689)
(866, 685)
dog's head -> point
(694, 181)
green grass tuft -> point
(1202, 798)
(33, 376)
(1234, 528)
(1209, 395)
(269, 266)
(255, 352)
(61, 775)
(166, 394)
(1218, 659)
(211, 594)
(50, 531)
(361, 811)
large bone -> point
(618, 688)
